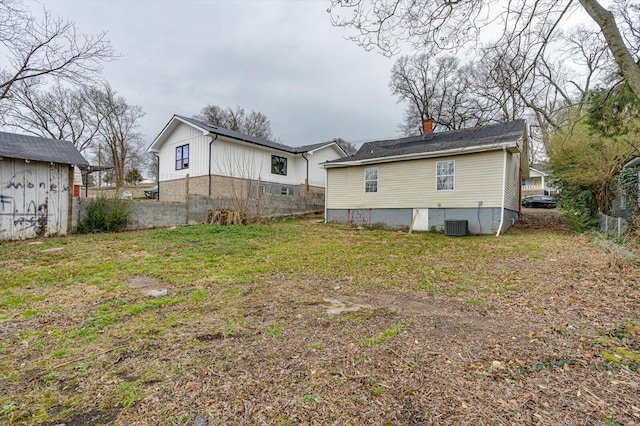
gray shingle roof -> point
(251, 139)
(486, 136)
(35, 148)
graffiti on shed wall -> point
(33, 199)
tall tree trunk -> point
(605, 19)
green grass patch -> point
(275, 330)
(128, 393)
(59, 353)
(384, 336)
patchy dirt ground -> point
(314, 351)
(549, 219)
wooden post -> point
(186, 199)
(413, 220)
(71, 194)
(258, 196)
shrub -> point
(104, 215)
(579, 207)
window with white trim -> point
(445, 175)
(371, 179)
(286, 190)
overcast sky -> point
(279, 57)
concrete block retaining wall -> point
(153, 213)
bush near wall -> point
(103, 214)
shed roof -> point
(34, 148)
(483, 138)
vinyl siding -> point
(478, 177)
(512, 190)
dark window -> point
(182, 157)
(278, 165)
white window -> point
(371, 179)
(445, 175)
(285, 190)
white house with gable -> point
(219, 161)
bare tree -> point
(252, 123)
(348, 147)
(522, 25)
(59, 113)
(239, 180)
(33, 50)
(436, 88)
(117, 130)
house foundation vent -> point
(456, 228)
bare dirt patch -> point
(549, 219)
(549, 335)
(146, 284)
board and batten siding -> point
(317, 175)
(412, 184)
(198, 153)
(241, 160)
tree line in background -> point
(251, 123)
(51, 86)
(577, 86)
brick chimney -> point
(427, 126)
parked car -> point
(151, 193)
(541, 201)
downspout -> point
(157, 175)
(307, 179)
(215, 136)
(504, 190)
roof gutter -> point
(504, 190)
(423, 155)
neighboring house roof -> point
(207, 128)
(477, 139)
(537, 172)
(35, 148)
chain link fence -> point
(615, 226)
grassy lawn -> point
(306, 323)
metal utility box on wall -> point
(456, 228)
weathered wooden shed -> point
(36, 185)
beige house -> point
(461, 182)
